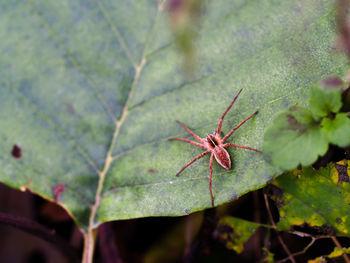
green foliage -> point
(294, 138)
(337, 129)
(336, 253)
(71, 69)
(324, 101)
(269, 258)
(317, 198)
(300, 136)
(234, 232)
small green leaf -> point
(324, 101)
(336, 253)
(294, 138)
(269, 256)
(234, 232)
(318, 198)
(337, 129)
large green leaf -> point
(317, 198)
(70, 69)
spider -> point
(215, 145)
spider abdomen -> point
(222, 157)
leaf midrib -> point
(118, 124)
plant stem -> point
(290, 256)
(90, 235)
(336, 242)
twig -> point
(290, 256)
(108, 244)
(40, 231)
(336, 242)
(189, 233)
(313, 239)
(257, 219)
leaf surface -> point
(320, 199)
(294, 138)
(85, 80)
(338, 129)
(299, 136)
(324, 101)
(234, 232)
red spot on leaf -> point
(333, 82)
(58, 191)
(175, 5)
(70, 108)
(16, 152)
(151, 170)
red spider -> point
(215, 145)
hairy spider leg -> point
(190, 142)
(210, 175)
(190, 132)
(239, 125)
(228, 108)
(240, 146)
(195, 159)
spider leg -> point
(239, 125)
(190, 142)
(240, 146)
(190, 132)
(228, 108)
(195, 159)
(210, 175)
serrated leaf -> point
(234, 232)
(90, 91)
(324, 101)
(337, 129)
(318, 198)
(294, 138)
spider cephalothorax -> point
(215, 145)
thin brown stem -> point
(313, 239)
(336, 242)
(90, 235)
(190, 226)
(257, 219)
(290, 256)
(108, 244)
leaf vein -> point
(116, 33)
(56, 127)
(180, 180)
(76, 64)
